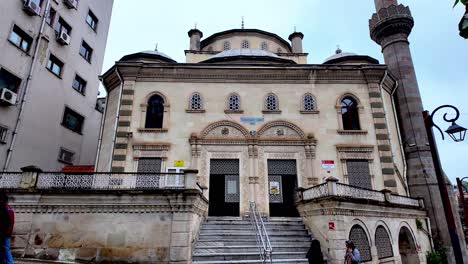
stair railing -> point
(263, 241)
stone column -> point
(390, 28)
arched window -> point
(210, 48)
(195, 102)
(279, 50)
(234, 102)
(308, 103)
(350, 114)
(155, 112)
(226, 45)
(407, 246)
(383, 243)
(271, 103)
(245, 44)
(359, 237)
(264, 46)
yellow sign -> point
(178, 163)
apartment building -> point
(52, 55)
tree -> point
(462, 1)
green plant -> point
(464, 2)
(438, 256)
(419, 224)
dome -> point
(148, 56)
(247, 55)
(349, 58)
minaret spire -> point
(242, 23)
(156, 48)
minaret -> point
(195, 35)
(390, 28)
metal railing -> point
(10, 180)
(335, 189)
(263, 241)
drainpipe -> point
(26, 87)
(402, 150)
(101, 128)
(398, 128)
(117, 115)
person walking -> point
(314, 255)
(352, 255)
(7, 221)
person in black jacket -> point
(314, 255)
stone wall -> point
(158, 226)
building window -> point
(62, 26)
(55, 65)
(279, 50)
(86, 51)
(350, 114)
(9, 81)
(360, 240)
(155, 112)
(264, 46)
(20, 39)
(271, 103)
(92, 20)
(383, 243)
(3, 134)
(308, 103)
(79, 84)
(358, 173)
(234, 102)
(245, 44)
(72, 120)
(66, 156)
(51, 16)
(147, 165)
(196, 102)
(226, 45)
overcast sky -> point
(440, 55)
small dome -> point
(349, 58)
(252, 55)
(148, 56)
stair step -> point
(244, 248)
(274, 244)
(291, 261)
(249, 232)
(247, 256)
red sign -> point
(331, 225)
(328, 162)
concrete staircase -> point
(232, 240)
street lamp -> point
(457, 133)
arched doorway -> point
(407, 247)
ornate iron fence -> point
(10, 180)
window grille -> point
(245, 44)
(234, 102)
(279, 50)
(3, 134)
(149, 165)
(358, 173)
(227, 45)
(196, 102)
(383, 243)
(359, 238)
(271, 103)
(308, 102)
(264, 46)
(66, 156)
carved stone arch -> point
(148, 96)
(410, 229)
(383, 240)
(208, 131)
(356, 231)
(407, 244)
(387, 228)
(268, 130)
(343, 96)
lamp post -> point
(457, 133)
(462, 190)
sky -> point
(440, 55)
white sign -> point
(274, 187)
(328, 164)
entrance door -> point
(224, 192)
(282, 184)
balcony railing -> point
(334, 189)
(97, 181)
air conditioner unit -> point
(71, 3)
(7, 96)
(32, 7)
(63, 38)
